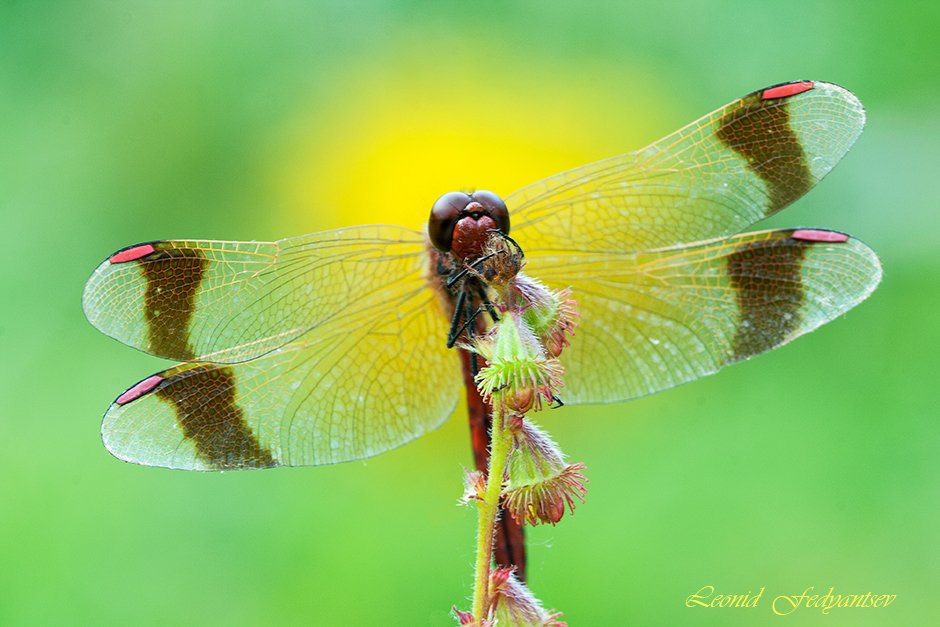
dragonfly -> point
(338, 345)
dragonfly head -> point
(460, 222)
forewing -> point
(653, 320)
(362, 382)
(711, 179)
(227, 302)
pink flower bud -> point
(541, 485)
(513, 604)
(463, 618)
(545, 501)
(552, 314)
(474, 486)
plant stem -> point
(500, 447)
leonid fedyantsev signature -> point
(785, 604)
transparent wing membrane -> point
(712, 178)
(358, 384)
(653, 320)
(231, 301)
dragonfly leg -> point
(468, 324)
(464, 307)
(471, 333)
(471, 267)
(453, 334)
(486, 303)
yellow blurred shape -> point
(391, 137)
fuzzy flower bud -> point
(467, 619)
(551, 314)
(540, 484)
(474, 486)
(513, 603)
(518, 374)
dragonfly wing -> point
(653, 320)
(358, 384)
(231, 301)
(711, 179)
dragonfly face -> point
(461, 223)
(332, 346)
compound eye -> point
(444, 215)
(495, 207)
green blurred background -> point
(122, 122)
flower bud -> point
(474, 486)
(552, 314)
(518, 375)
(562, 326)
(466, 618)
(540, 484)
(513, 603)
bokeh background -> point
(815, 465)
